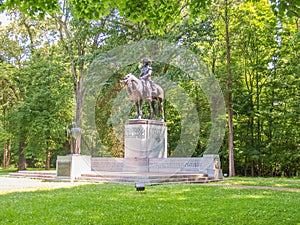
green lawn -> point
(7, 171)
(10, 170)
(261, 181)
(159, 204)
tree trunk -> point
(230, 136)
(79, 99)
(6, 144)
(48, 157)
(229, 94)
(252, 168)
(6, 153)
(258, 143)
(22, 159)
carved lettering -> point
(192, 164)
(135, 132)
(64, 168)
(154, 132)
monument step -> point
(34, 174)
(122, 177)
(145, 175)
(148, 181)
(145, 178)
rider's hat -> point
(147, 60)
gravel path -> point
(9, 184)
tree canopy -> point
(251, 47)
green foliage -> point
(105, 122)
(159, 204)
(264, 65)
(7, 171)
(260, 110)
(284, 8)
(40, 117)
(50, 101)
(158, 15)
(31, 7)
(91, 9)
(8, 97)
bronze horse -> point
(136, 91)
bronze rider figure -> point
(145, 77)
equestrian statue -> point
(144, 89)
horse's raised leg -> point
(152, 103)
(141, 107)
(161, 108)
(137, 109)
(138, 105)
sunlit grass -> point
(160, 204)
(11, 170)
(7, 171)
(261, 181)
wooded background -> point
(251, 47)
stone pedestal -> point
(72, 166)
(144, 139)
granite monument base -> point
(145, 139)
(72, 166)
(208, 164)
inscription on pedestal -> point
(64, 168)
(135, 132)
(175, 165)
(107, 164)
(145, 139)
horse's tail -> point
(160, 91)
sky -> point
(4, 19)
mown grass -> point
(261, 181)
(160, 204)
(11, 170)
(7, 171)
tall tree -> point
(80, 38)
(8, 97)
(11, 54)
(253, 55)
(48, 102)
(229, 88)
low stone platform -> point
(145, 177)
(208, 164)
(121, 177)
(43, 175)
